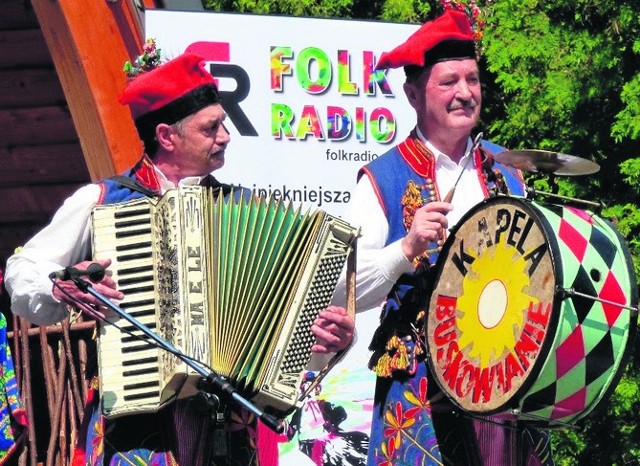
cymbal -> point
(533, 160)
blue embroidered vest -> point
(142, 174)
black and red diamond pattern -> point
(592, 337)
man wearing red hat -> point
(179, 118)
(404, 202)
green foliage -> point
(405, 11)
(630, 169)
(627, 123)
(321, 8)
(415, 11)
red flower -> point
(420, 400)
(397, 423)
(388, 451)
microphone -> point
(94, 272)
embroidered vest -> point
(142, 174)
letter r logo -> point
(219, 52)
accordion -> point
(234, 283)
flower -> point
(388, 451)
(149, 60)
(397, 424)
(473, 11)
(97, 442)
(420, 400)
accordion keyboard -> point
(128, 365)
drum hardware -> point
(519, 417)
(532, 192)
(568, 292)
(548, 162)
(533, 417)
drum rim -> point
(537, 365)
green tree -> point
(564, 76)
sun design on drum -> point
(493, 303)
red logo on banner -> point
(220, 52)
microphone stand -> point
(214, 383)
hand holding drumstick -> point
(428, 226)
(434, 221)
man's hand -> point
(68, 292)
(333, 330)
(429, 225)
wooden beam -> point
(89, 42)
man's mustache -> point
(458, 104)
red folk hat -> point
(170, 92)
(448, 37)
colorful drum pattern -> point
(529, 311)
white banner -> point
(305, 108)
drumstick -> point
(472, 149)
(449, 196)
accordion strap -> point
(134, 185)
(207, 182)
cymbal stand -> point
(532, 192)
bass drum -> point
(530, 312)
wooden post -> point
(89, 42)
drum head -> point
(491, 309)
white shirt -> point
(65, 241)
(380, 266)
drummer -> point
(399, 203)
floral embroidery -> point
(397, 424)
(97, 442)
(411, 202)
(388, 451)
(244, 421)
(420, 400)
(408, 430)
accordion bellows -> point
(234, 283)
